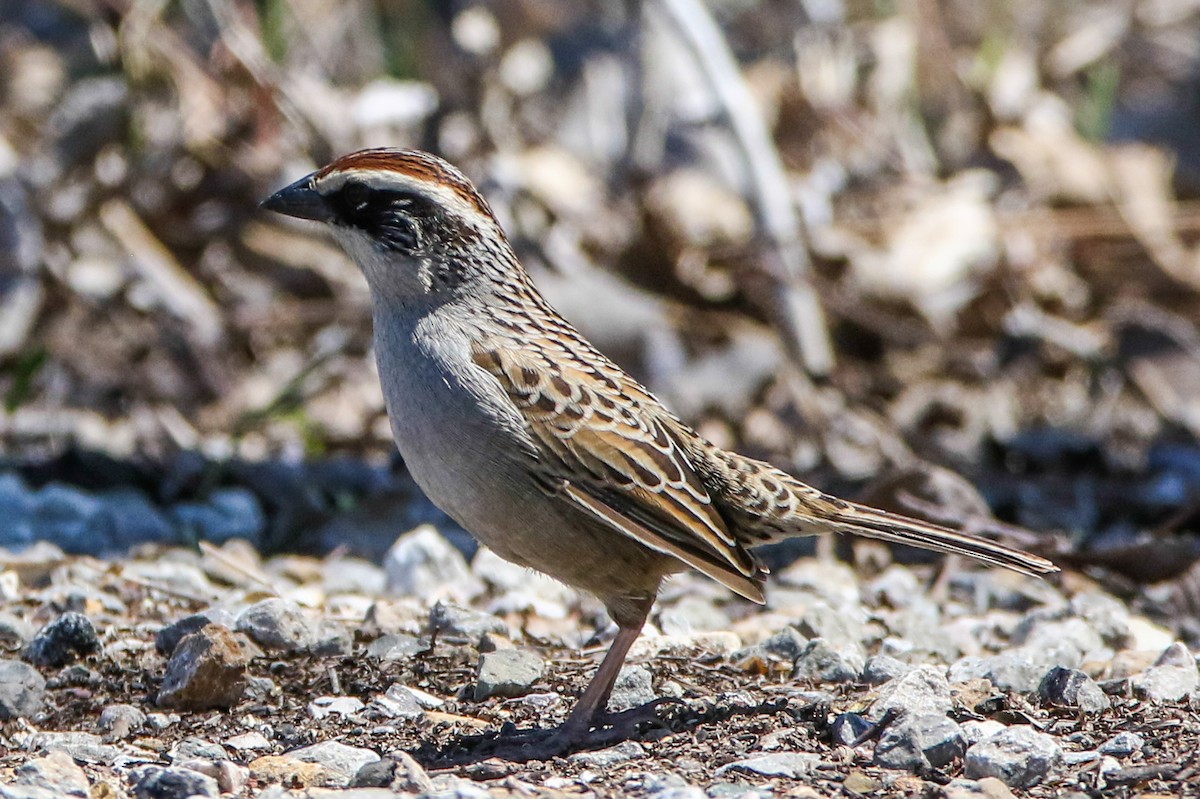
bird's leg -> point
(591, 706)
(595, 697)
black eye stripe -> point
(393, 217)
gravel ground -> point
(173, 672)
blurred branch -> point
(796, 307)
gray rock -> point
(324, 706)
(398, 702)
(792, 765)
(207, 670)
(55, 773)
(917, 743)
(986, 788)
(61, 641)
(22, 690)
(1020, 757)
(169, 636)
(775, 654)
(924, 691)
(882, 668)
(422, 563)
(606, 758)
(842, 629)
(395, 646)
(248, 742)
(1176, 655)
(692, 614)
(1106, 615)
(1064, 636)
(634, 687)
(157, 782)
(787, 644)
(354, 576)
(1018, 669)
(463, 626)
(332, 639)
(85, 747)
(14, 631)
(895, 587)
(121, 721)
(848, 728)
(196, 749)
(229, 513)
(820, 662)
(336, 757)
(1072, 688)
(1123, 744)
(277, 624)
(1172, 678)
(507, 673)
(976, 731)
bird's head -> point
(412, 222)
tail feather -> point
(766, 505)
(868, 522)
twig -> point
(796, 306)
(253, 575)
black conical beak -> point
(299, 200)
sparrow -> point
(534, 441)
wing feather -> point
(613, 445)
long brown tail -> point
(855, 519)
(768, 505)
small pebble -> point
(336, 757)
(121, 721)
(324, 706)
(820, 662)
(1123, 744)
(248, 742)
(848, 728)
(56, 773)
(606, 758)
(917, 743)
(986, 788)
(463, 626)
(634, 687)
(1072, 688)
(1020, 757)
(882, 668)
(169, 636)
(14, 631)
(277, 624)
(207, 670)
(22, 690)
(398, 702)
(61, 641)
(1172, 678)
(792, 765)
(156, 782)
(507, 673)
(422, 563)
(922, 691)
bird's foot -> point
(603, 731)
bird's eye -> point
(356, 195)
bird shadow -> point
(648, 722)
